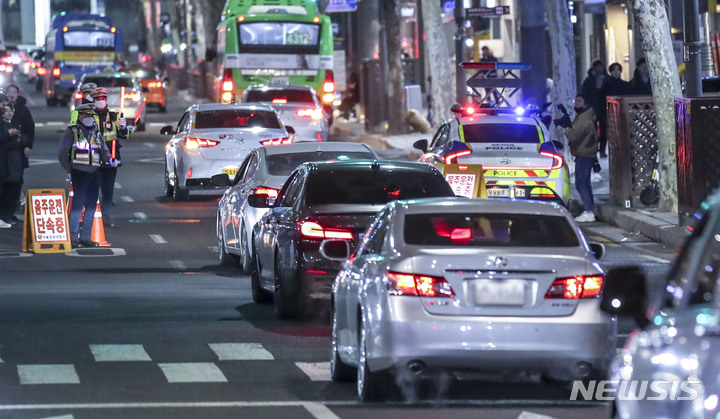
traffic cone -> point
(70, 198)
(98, 228)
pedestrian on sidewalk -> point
(583, 139)
(22, 120)
(11, 167)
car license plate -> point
(510, 292)
(505, 192)
(230, 171)
(280, 81)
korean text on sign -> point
(49, 218)
(462, 184)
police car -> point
(518, 158)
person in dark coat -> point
(11, 167)
(23, 121)
(641, 79)
(592, 89)
(614, 86)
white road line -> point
(165, 405)
(656, 259)
(48, 374)
(140, 215)
(320, 411)
(114, 353)
(531, 415)
(127, 199)
(118, 186)
(1, 361)
(158, 238)
(178, 265)
(317, 371)
(192, 372)
(62, 417)
(240, 351)
(151, 145)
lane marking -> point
(158, 239)
(140, 215)
(531, 415)
(62, 417)
(320, 411)
(127, 199)
(96, 252)
(240, 351)
(115, 353)
(317, 371)
(179, 265)
(118, 186)
(656, 259)
(153, 160)
(48, 374)
(151, 145)
(7, 254)
(192, 372)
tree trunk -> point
(442, 89)
(154, 38)
(563, 65)
(175, 24)
(657, 46)
(390, 11)
(189, 44)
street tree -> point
(175, 26)
(390, 11)
(657, 45)
(442, 91)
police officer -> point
(86, 89)
(81, 153)
(113, 127)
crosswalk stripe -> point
(48, 374)
(317, 371)
(158, 238)
(192, 372)
(178, 265)
(320, 411)
(127, 199)
(113, 353)
(531, 415)
(62, 417)
(240, 351)
(140, 215)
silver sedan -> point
(264, 171)
(458, 285)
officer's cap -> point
(88, 87)
(87, 108)
(100, 91)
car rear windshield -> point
(286, 96)
(236, 118)
(110, 81)
(373, 186)
(467, 230)
(501, 133)
(284, 164)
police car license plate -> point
(230, 171)
(504, 192)
(509, 292)
(280, 81)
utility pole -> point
(691, 49)
(460, 92)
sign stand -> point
(45, 227)
(465, 179)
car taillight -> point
(271, 192)
(277, 141)
(314, 113)
(56, 72)
(154, 84)
(135, 97)
(581, 286)
(449, 158)
(329, 84)
(557, 159)
(313, 230)
(78, 95)
(41, 71)
(227, 83)
(421, 285)
(192, 143)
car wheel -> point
(245, 251)
(259, 295)
(288, 304)
(371, 385)
(226, 259)
(140, 126)
(339, 371)
(168, 187)
(179, 194)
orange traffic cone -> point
(98, 228)
(70, 198)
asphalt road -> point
(154, 327)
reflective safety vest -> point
(110, 135)
(85, 151)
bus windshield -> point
(89, 40)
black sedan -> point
(325, 200)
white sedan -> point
(214, 138)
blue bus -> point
(78, 43)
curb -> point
(643, 222)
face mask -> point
(101, 104)
(88, 121)
(579, 110)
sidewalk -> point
(657, 226)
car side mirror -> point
(145, 90)
(220, 180)
(167, 130)
(289, 129)
(625, 293)
(335, 249)
(259, 200)
(421, 145)
(597, 249)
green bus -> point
(273, 42)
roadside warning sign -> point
(465, 179)
(46, 222)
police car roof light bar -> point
(495, 78)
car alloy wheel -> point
(259, 295)
(339, 371)
(287, 305)
(245, 251)
(226, 259)
(371, 385)
(168, 187)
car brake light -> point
(329, 84)
(277, 141)
(279, 101)
(78, 95)
(227, 84)
(192, 143)
(558, 160)
(56, 72)
(135, 97)
(581, 286)
(314, 231)
(154, 84)
(421, 285)
(41, 71)
(449, 158)
(264, 190)
(314, 113)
